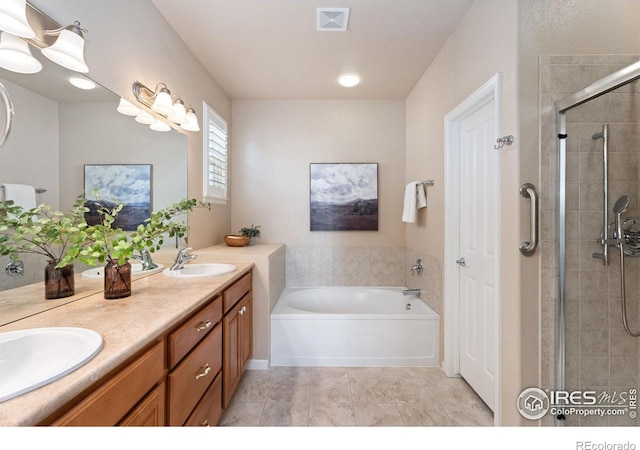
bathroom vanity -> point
(173, 354)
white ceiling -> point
(270, 49)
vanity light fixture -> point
(16, 19)
(128, 109)
(178, 112)
(159, 125)
(13, 18)
(170, 107)
(16, 56)
(192, 121)
(68, 50)
(163, 104)
(145, 118)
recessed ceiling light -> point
(82, 83)
(349, 80)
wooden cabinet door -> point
(115, 398)
(151, 412)
(238, 345)
(246, 332)
(230, 365)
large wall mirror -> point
(57, 129)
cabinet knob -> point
(204, 326)
(204, 372)
(241, 312)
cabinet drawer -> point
(236, 292)
(182, 340)
(209, 410)
(111, 401)
(191, 378)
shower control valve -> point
(417, 268)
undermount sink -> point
(34, 357)
(200, 270)
(98, 272)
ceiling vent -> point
(332, 19)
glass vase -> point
(59, 282)
(117, 280)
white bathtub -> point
(353, 326)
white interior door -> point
(479, 219)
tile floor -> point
(354, 397)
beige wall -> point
(275, 141)
(273, 144)
(94, 133)
(483, 44)
(129, 41)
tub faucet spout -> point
(415, 292)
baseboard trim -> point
(257, 364)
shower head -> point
(621, 205)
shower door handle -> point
(528, 248)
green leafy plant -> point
(113, 244)
(59, 236)
(251, 231)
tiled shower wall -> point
(345, 266)
(599, 354)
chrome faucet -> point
(415, 292)
(417, 268)
(182, 258)
(145, 259)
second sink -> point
(200, 270)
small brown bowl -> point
(236, 240)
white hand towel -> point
(422, 196)
(21, 194)
(410, 199)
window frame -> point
(211, 193)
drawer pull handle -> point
(204, 373)
(204, 326)
(204, 423)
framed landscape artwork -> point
(344, 196)
(115, 183)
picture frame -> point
(343, 196)
(130, 184)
